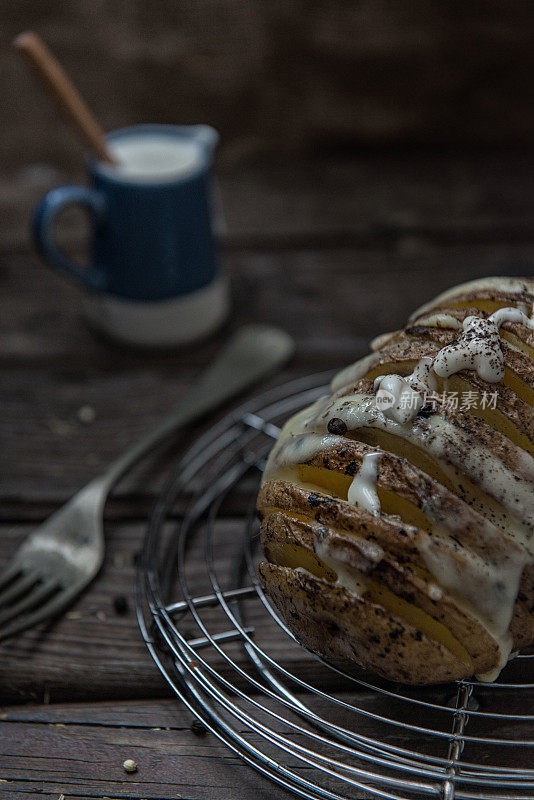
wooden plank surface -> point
(93, 652)
(332, 302)
(376, 223)
(283, 75)
(78, 749)
(85, 759)
(335, 252)
(325, 200)
(96, 653)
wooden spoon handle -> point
(59, 85)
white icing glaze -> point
(297, 449)
(399, 398)
(510, 314)
(396, 399)
(439, 436)
(434, 592)
(484, 583)
(492, 675)
(474, 584)
(482, 577)
(479, 347)
(346, 577)
(422, 377)
(362, 491)
(511, 487)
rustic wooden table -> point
(335, 250)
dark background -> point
(279, 73)
(288, 83)
(372, 154)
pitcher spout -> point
(206, 135)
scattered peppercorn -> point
(337, 426)
(120, 604)
(86, 414)
(198, 728)
(129, 765)
(427, 410)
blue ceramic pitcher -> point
(154, 277)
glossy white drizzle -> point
(492, 675)
(362, 491)
(422, 377)
(510, 314)
(486, 583)
(396, 399)
(401, 399)
(346, 578)
(305, 436)
(479, 347)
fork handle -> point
(253, 352)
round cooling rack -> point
(226, 654)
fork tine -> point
(29, 602)
(52, 607)
(10, 572)
(18, 587)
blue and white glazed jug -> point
(154, 277)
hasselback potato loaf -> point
(397, 512)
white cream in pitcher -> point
(154, 157)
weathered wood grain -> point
(288, 73)
(364, 199)
(78, 749)
(334, 252)
(295, 291)
(93, 652)
(324, 240)
(332, 302)
(86, 761)
(49, 453)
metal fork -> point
(63, 555)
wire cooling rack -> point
(228, 656)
